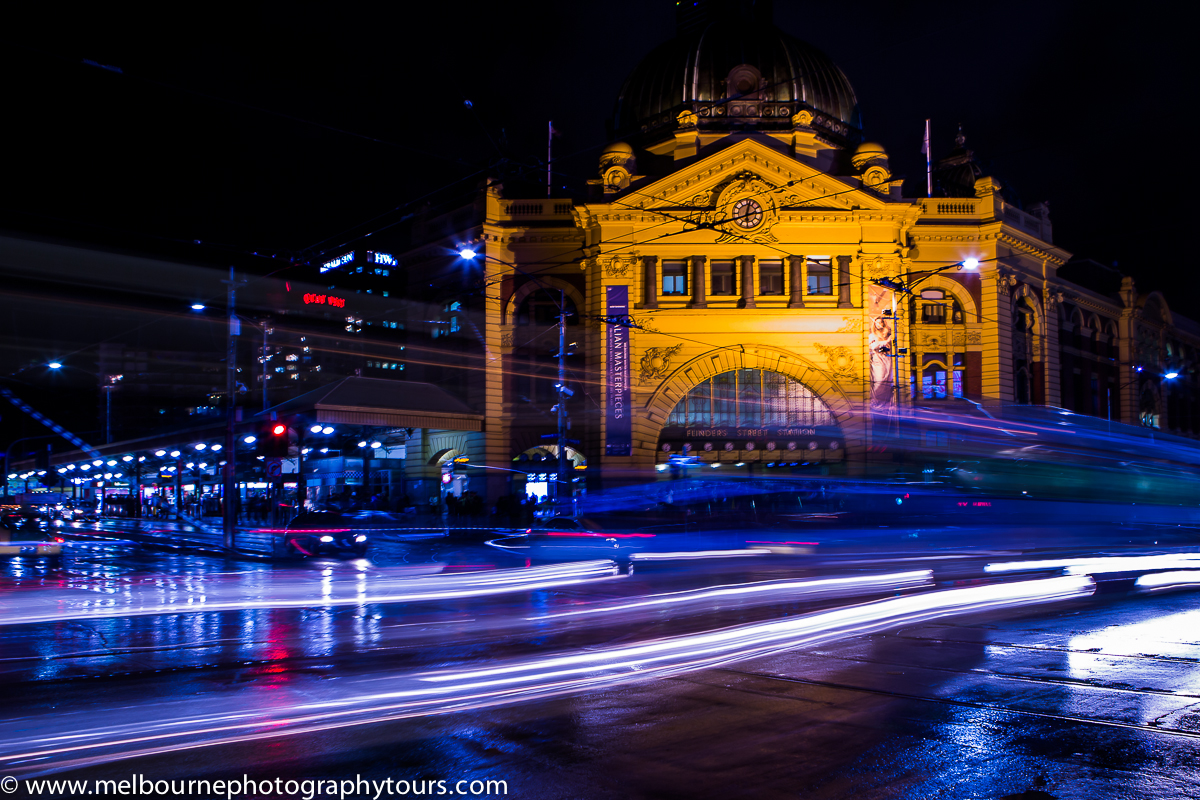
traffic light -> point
(274, 441)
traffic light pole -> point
(561, 477)
(229, 487)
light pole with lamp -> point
(560, 387)
(898, 285)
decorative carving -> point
(744, 186)
(656, 362)
(506, 338)
(840, 360)
(687, 119)
(802, 118)
(878, 267)
(974, 337)
(851, 325)
(958, 337)
(619, 266)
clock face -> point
(747, 213)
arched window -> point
(541, 308)
(750, 398)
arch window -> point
(541, 308)
(750, 398)
(941, 379)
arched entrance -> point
(540, 465)
(755, 415)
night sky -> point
(202, 136)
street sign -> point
(275, 468)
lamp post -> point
(1139, 372)
(562, 391)
(108, 387)
(898, 285)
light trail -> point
(169, 595)
(74, 740)
(1098, 565)
(1179, 579)
(763, 592)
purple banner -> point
(618, 439)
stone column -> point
(650, 293)
(747, 263)
(699, 293)
(843, 279)
(796, 281)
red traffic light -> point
(279, 430)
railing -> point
(955, 207)
(526, 209)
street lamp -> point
(108, 388)
(560, 387)
(898, 285)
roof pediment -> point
(795, 183)
(743, 190)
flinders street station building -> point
(747, 288)
(747, 284)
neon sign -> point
(386, 259)
(324, 299)
(344, 258)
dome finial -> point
(960, 139)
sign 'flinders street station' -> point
(749, 283)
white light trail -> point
(1094, 565)
(169, 595)
(764, 592)
(56, 741)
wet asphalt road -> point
(1097, 697)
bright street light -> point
(197, 306)
(971, 263)
(160, 453)
(54, 365)
(362, 444)
(1171, 376)
(200, 446)
(250, 439)
(375, 445)
(127, 458)
(466, 253)
(327, 429)
(315, 429)
(174, 454)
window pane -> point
(820, 276)
(698, 405)
(723, 277)
(724, 400)
(750, 398)
(770, 275)
(674, 277)
(749, 386)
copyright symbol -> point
(8, 784)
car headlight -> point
(326, 538)
(362, 537)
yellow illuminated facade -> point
(761, 245)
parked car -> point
(321, 533)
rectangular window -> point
(933, 384)
(674, 278)
(770, 277)
(820, 276)
(933, 314)
(723, 278)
